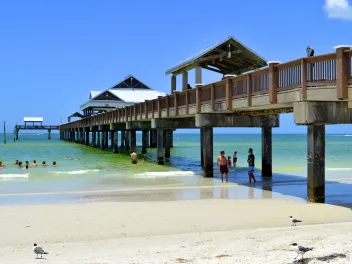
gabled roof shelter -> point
(226, 57)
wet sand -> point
(162, 231)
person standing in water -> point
(223, 166)
(134, 157)
(251, 165)
(34, 164)
(44, 164)
(54, 163)
(234, 162)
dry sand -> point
(205, 231)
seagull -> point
(300, 250)
(294, 221)
(39, 251)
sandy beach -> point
(200, 231)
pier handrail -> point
(327, 70)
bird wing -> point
(304, 249)
(296, 220)
(38, 250)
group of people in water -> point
(26, 165)
(225, 164)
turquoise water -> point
(93, 171)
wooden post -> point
(176, 103)
(198, 98)
(273, 81)
(212, 97)
(198, 72)
(186, 99)
(167, 107)
(343, 71)
(146, 109)
(304, 79)
(173, 83)
(184, 81)
(229, 91)
(140, 111)
(4, 132)
(249, 89)
(152, 101)
(159, 106)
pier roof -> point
(33, 119)
(225, 57)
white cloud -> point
(338, 9)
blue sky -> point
(54, 52)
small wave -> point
(339, 169)
(74, 172)
(156, 174)
(11, 176)
(348, 135)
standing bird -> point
(300, 250)
(39, 251)
(294, 221)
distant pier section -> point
(34, 123)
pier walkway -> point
(318, 90)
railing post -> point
(176, 103)
(273, 81)
(304, 80)
(198, 98)
(186, 103)
(167, 106)
(152, 102)
(343, 71)
(159, 106)
(146, 109)
(229, 91)
(212, 97)
(249, 89)
(140, 111)
(135, 112)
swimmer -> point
(16, 163)
(54, 163)
(1, 165)
(27, 163)
(26, 168)
(67, 157)
(20, 164)
(34, 164)
(134, 157)
(44, 164)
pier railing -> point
(331, 70)
(37, 127)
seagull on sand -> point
(300, 250)
(294, 221)
(39, 251)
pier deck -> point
(318, 90)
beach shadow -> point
(327, 258)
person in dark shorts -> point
(223, 166)
(234, 161)
(250, 161)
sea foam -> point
(339, 169)
(157, 174)
(74, 172)
(13, 176)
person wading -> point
(223, 166)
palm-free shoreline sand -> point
(198, 231)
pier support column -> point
(127, 140)
(98, 139)
(81, 136)
(17, 131)
(132, 138)
(167, 142)
(267, 152)
(153, 139)
(49, 134)
(316, 163)
(208, 163)
(122, 139)
(87, 136)
(171, 138)
(201, 147)
(115, 141)
(106, 139)
(94, 139)
(160, 146)
(145, 139)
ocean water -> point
(96, 175)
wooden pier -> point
(318, 90)
(35, 123)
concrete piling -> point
(267, 152)
(132, 139)
(316, 163)
(208, 163)
(145, 139)
(160, 146)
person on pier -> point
(250, 160)
(223, 166)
